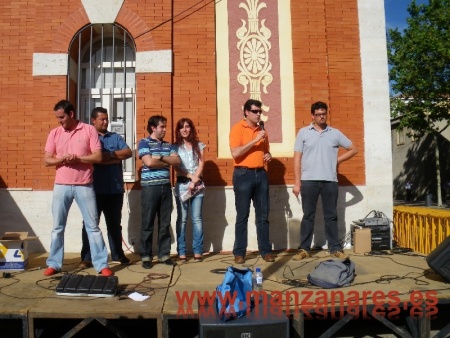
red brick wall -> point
(327, 67)
(16, 94)
(194, 81)
(326, 58)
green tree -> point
(419, 59)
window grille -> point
(102, 73)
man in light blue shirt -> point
(315, 173)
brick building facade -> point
(329, 50)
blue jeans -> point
(251, 185)
(195, 204)
(156, 200)
(84, 196)
(328, 191)
(111, 207)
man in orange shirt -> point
(249, 145)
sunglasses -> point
(256, 111)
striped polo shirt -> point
(155, 176)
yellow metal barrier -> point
(421, 229)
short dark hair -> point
(154, 121)
(97, 110)
(250, 102)
(64, 105)
(318, 105)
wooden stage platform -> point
(392, 296)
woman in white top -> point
(189, 176)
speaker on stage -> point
(439, 259)
(264, 321)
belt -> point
(183, 179)
(247, 168)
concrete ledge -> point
(49, 64)
(159, 61)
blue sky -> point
(396, 12)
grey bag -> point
(333, 274)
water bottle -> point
(258, 282)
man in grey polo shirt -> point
(315, 173)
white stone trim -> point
(102, 11)
(377, 129)
(49, 64)
(159, 61)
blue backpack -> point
(231, 295)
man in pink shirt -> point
(72, 148)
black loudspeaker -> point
(87, 285)
(264, 321)
(439, 259)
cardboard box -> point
(14, 250)
(362, 239)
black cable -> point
(347, 239)
(14, 281)
(141, 287)
(173, 17)
(400, 250)
(376, 214)
(378, 253)
(374, 211)
(385, 279)
(176, 280)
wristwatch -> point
(112, 154)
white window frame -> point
(105, 95)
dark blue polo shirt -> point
(108, 179)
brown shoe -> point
(239, 260)
(301, 254)
(339, 254)
(269, 258)
(85, 265)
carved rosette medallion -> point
(254, 47)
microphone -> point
(261, 125)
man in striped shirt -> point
(157, 156)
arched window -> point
(102, 73)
